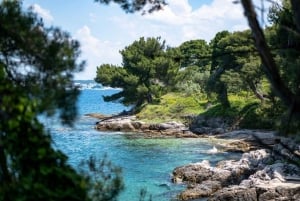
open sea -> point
(146, 163)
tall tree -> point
(195, 67)
(290, 98)
(195, 53)
(149, 70)
(215, 84)
(36, 77)
(285, 42)
(241, 62)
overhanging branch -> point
(269, 65)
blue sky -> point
(104, 30)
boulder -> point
(236, 146)
(130, 124)
(123, 123)
(256, 176)
(225, 173)
(267, 184)
(205, 189)
(193, 173)
(235, 193)
(166, 126)
(209, 125)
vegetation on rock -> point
(224, 77)
(231, 65)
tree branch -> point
(269, 65)
(296, 11)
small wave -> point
(110, 88)
(92, 85)
(88, 85)
(214, 150)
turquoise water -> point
(146, 163)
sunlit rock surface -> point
(256, 176)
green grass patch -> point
(245, 111)
(237, 105)
(172, 106)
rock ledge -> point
(131, 124)
(258, 175)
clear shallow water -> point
(146, 163)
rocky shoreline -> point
(269, 168)
(258, 175)
(131, 124)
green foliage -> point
(247, 112)
(37, 58)
(237, 104)
(286, 42)
(237, 68)
(132, 6)
(149, 70)
(30, 168)
(214, 83)
(263, 116)
(192, 83)
(36, 78)
(173, 106)
(195, 63)
(195, 53)
(105, 179)
(284, 38)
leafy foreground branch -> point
(36, 78)
(105, 179)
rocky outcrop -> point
(123, 123)
(225, 173)
(209, 125)
(234, 141)
(131, 124)
(247, 140)
(258, 175)
(270, 183)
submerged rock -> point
(123, 123)
(97, 115)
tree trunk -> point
(149, 97)
(269, 65)
(296, 11)
(223, 96)
(290, 100)
(4, 173)
(255, 91)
